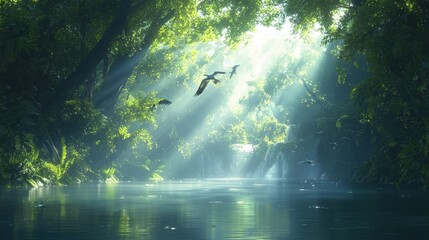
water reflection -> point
(213, 209)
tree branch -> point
(310, 92)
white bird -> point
(309, 162)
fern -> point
(109, 175)
(63, 150)
(59, 170)
(54, 169)
(156, 176)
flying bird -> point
(206, 80)
(309, 162)
(234, 71)
(164, 102)
(161, 102)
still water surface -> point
(213, 209)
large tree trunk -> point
(123, 67)
(91, 60)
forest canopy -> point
(82, 82)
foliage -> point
(79, 106)
(108, 175)
(393, 100)
(77, 95)
(22, 166)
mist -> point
(195, 134)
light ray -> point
(197, 117)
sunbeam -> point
(195, 119)
(214, 119)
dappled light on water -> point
(230, 208)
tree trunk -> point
(123, 67)
(91, 60)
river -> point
(214, 209)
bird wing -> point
(218, 72)
(202, 86)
